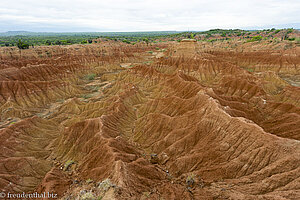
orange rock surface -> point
(195, 122)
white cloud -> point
(144, 15)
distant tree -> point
(290, 30)
(208, 35)
(6, 44)
(191, 36)
(48, 42)
(83, 42)
(22, 45)
(58, 42)
(126, 41)
(146, 40)
(90, 41)
(63, 42)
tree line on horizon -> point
(38, 39)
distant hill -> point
(13, 33)
(141, 34)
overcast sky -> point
(145, 15)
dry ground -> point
(170, 121)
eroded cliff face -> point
(116, 121)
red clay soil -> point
(195, 123)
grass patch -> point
(88, 181)
(86, 96)
(68, 165)
(148, 62)
(248, 69)
(90, 77)
(94, 88)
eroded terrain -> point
(165, 121)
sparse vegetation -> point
(88, 181)
(256, 38)
(90, 77)
(88, 196)
(190, 181)
(290, 30)
(22, 45)
(86, 96)
(68, 165)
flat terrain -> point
(169, 120)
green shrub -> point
(192, 36)
(290, 30)
(256, 38)
(208, 35)
(58, 42)
(48, 42)
(22, 45)
(126, 41)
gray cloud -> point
(144, 15)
